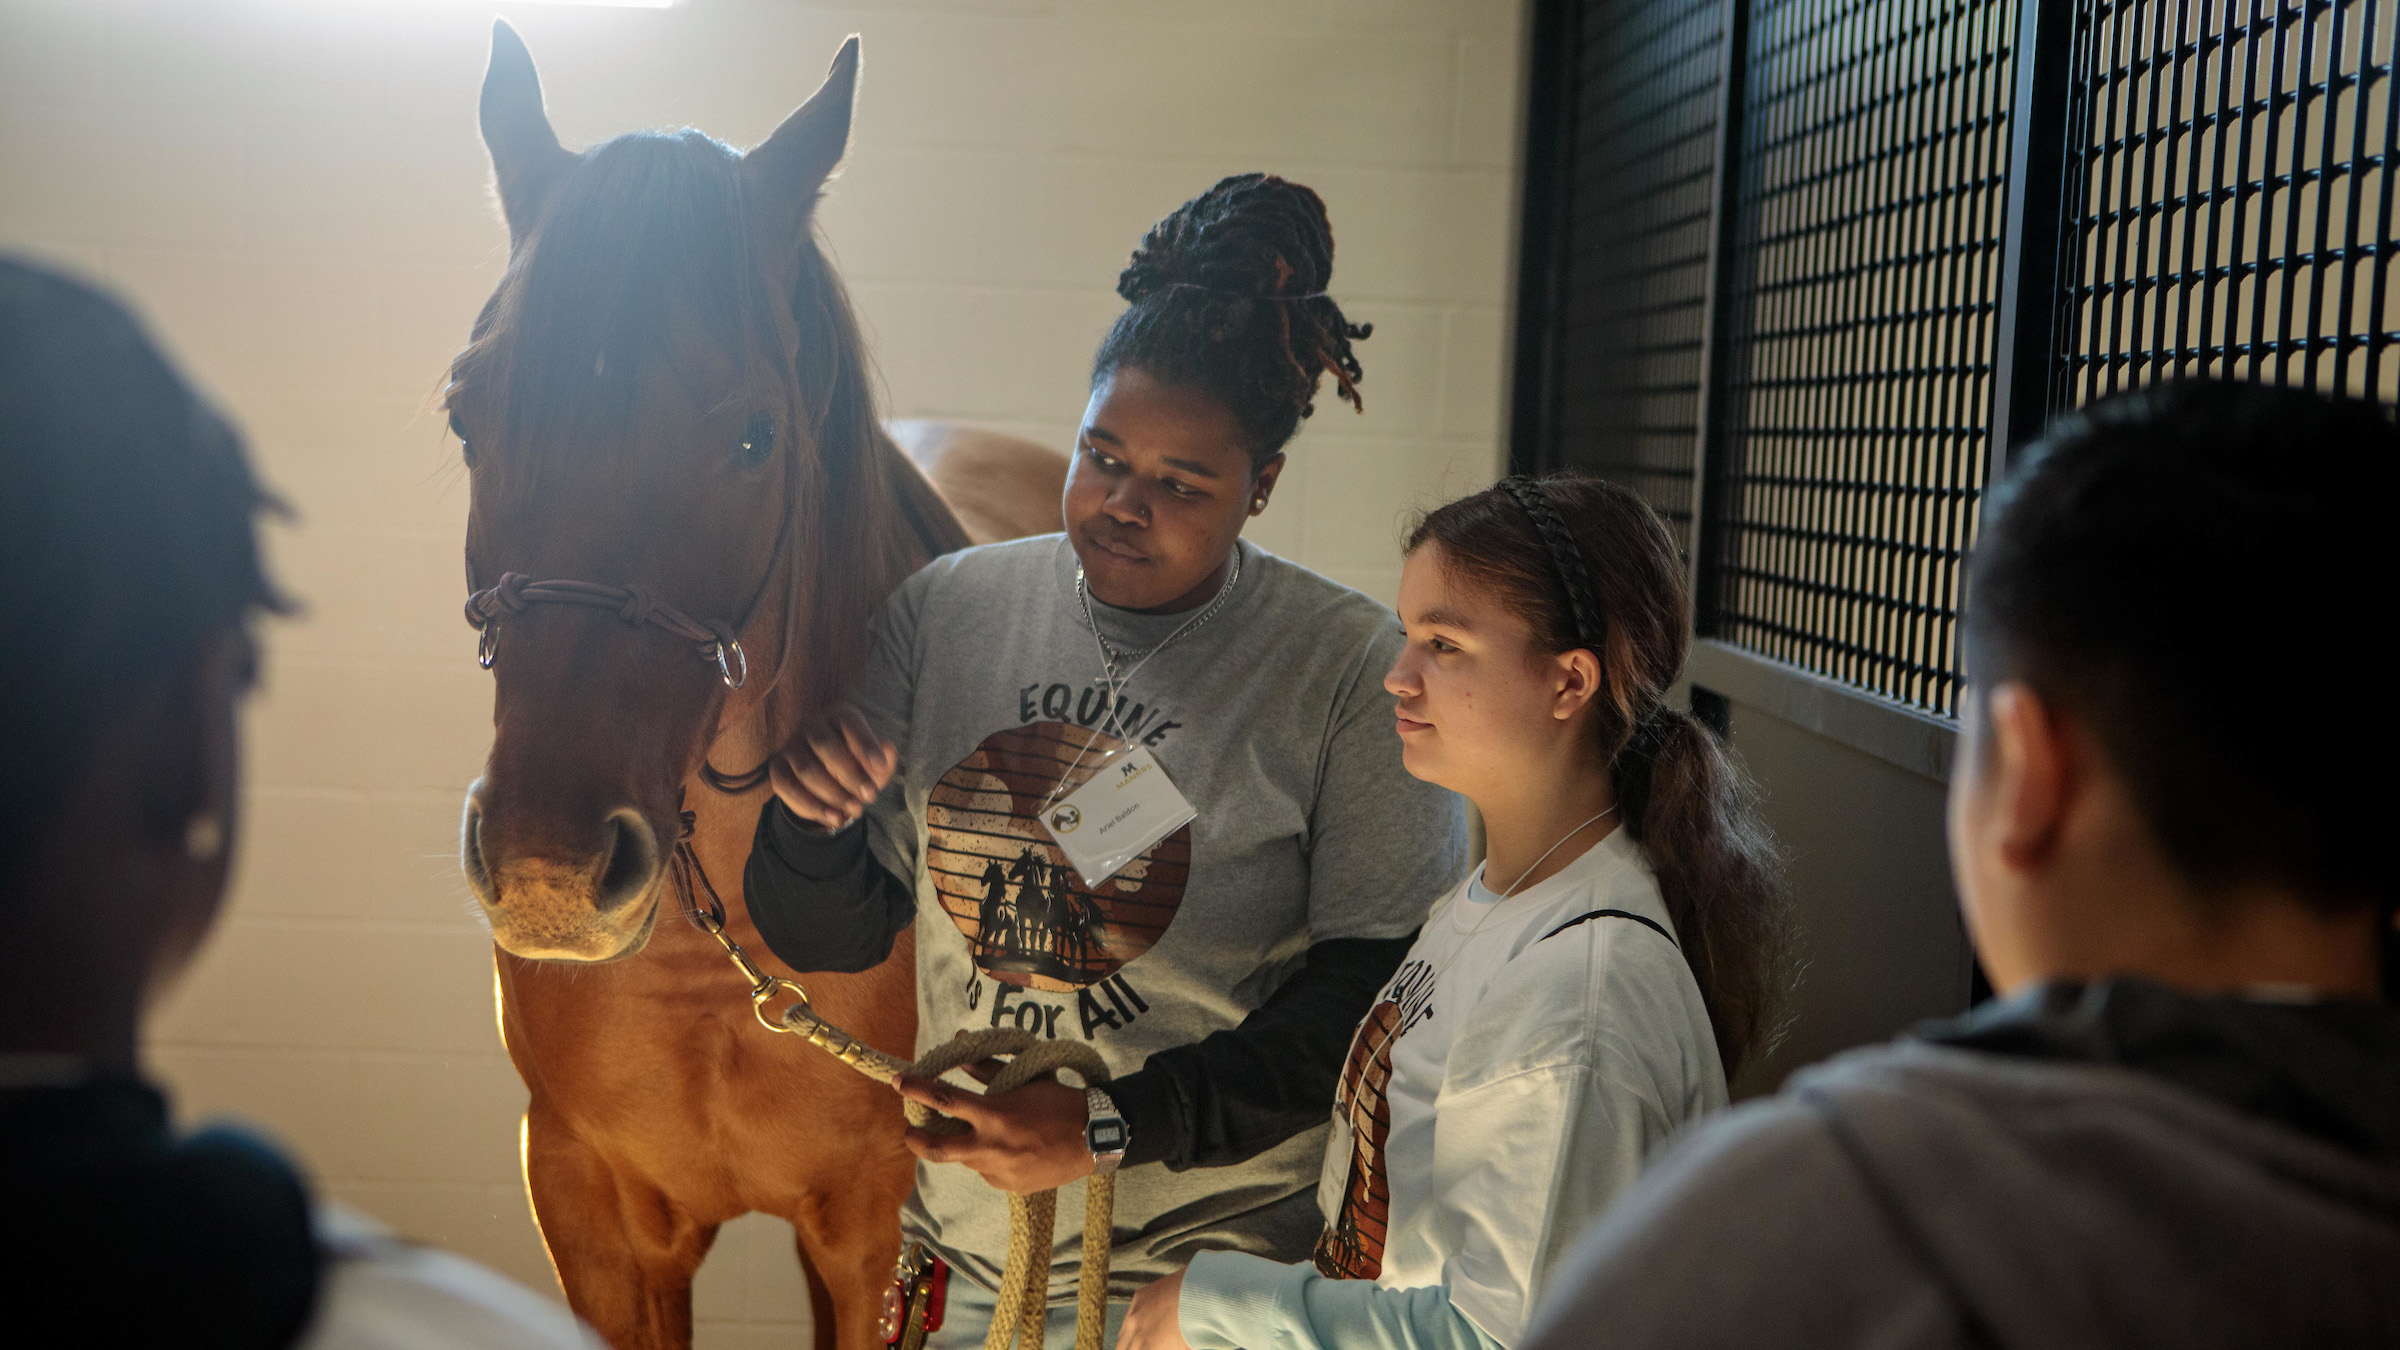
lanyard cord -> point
(1108, 662)
(1108, 655)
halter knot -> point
(639, 605)
(511, 591)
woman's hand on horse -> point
(833, 771)
(1026, 1140)
(1155, 1321)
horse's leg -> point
(820, 1298)
(624, 1251)
(848, 1245)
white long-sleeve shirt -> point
(1518, 1068)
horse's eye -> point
(757, 445)
(466, 448)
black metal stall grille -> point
(1846, 267)
(1863, 289)
(1620, 352)
(2229, 186)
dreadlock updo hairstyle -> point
(1587, 564)
(1227, 295)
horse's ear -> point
(785, 171)
(527, 159)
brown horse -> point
(666, 398)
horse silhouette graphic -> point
(1028, 918)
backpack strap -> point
(1612, 914)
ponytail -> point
(1695, 815)
(1588, 564)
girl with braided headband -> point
(1589, 989)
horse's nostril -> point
(632, 860)
(470, 852)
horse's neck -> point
(917, 526)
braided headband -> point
(1565, 558)
(1649, 732)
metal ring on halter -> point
(487, 647)
(768, 988)
(725, 668)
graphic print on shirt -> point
(1028, 918)
(1351, 1247)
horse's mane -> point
(648, 232)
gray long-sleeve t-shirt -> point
(1271, 718)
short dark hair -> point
(2177, 567)
(1228, 296)
(126, 534)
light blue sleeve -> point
(1235, 1301)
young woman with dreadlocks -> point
(1278, 863)
(1578, 997)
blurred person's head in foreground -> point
(129, 572)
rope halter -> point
(713, 639)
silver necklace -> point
(1562, 839)
(1110, 656)
(1492, 908)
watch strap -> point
(1104, 1131)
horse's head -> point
(663, 400)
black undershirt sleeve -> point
(1243, 1090)
(821, 900)
(824, 903)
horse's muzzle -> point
(591, 904)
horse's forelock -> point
(646, 228)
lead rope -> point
(1022, 1311)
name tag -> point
(1119, 812)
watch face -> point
(1106, 1136)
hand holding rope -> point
(1021, 1314)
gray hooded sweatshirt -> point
(2113, 1165)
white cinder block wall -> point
(293, 192)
